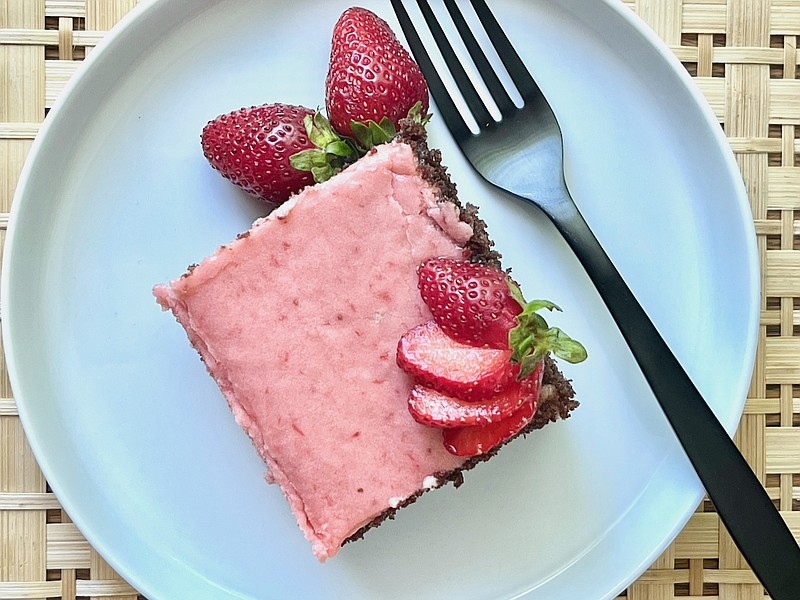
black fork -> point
(522, 153)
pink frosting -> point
(298, 322)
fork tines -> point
(516, 69)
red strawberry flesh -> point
(479, 439)
(371, 75)
(473, 441)
(251, 147)
(438, 361)
(434, 409)
(470, 302)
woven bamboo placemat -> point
(743, 54)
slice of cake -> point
(298, 322)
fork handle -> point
(741, 501)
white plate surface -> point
(137, 441)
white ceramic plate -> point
(138, 443)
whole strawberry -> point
(479, 305)
(257, 148)
(471, 302)
(371, 77)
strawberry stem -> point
(332, 151)
(533, 339)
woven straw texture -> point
(743, 54)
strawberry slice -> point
(472, 441)
(479, 439)
(434, 409)
(453, 368)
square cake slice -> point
(298, 321)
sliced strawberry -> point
(432, 408)
(471, 302)
(479, 439)
(438, 361)
(472, 441)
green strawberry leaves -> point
(320, 131)
(416, 116)
(371, 134)
(533, 339)
(331, 153)
(334, 151)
